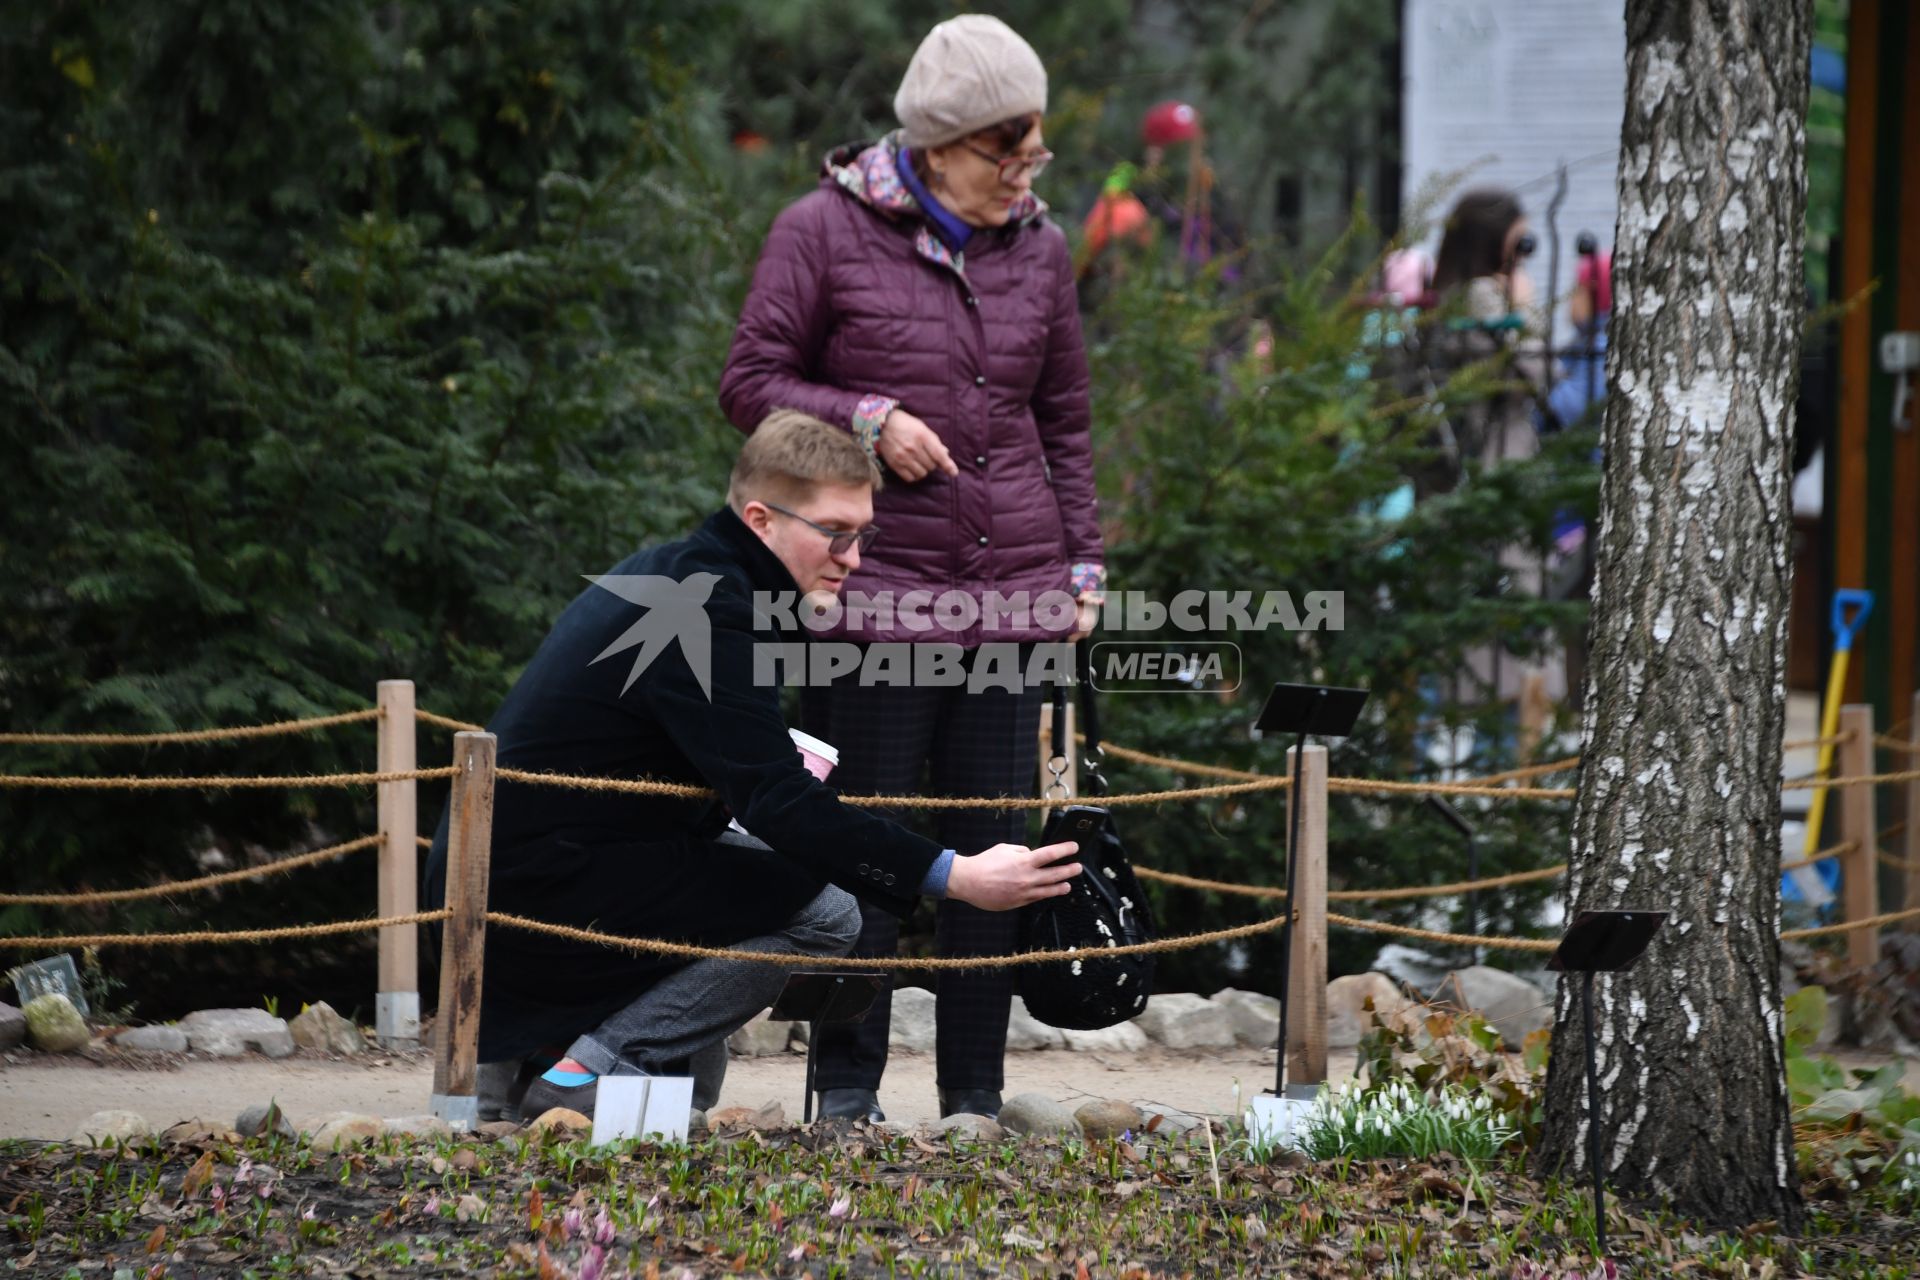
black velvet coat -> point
(645, 865)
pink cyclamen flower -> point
(432, 1205)
(602, 1228)
(841, 1208)
(796, 1253)
(307, 1214)
(572, 1223)
(593, 1264)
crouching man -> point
(649, 673)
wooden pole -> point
(1536, 710)
(1307, 977)
(1911, 843)
(396, 1002)
(464, 935)
(1860, 867)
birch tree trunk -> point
(1679, 805)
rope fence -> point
(685, 791)
(1821, 855)
(277, 729)
(24, 781)
(447, 722)
(215, 937)
(475, 772)
(171, 887)
(1907, 865)
(690, 951)
(1355, 895)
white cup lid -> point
(807, 742)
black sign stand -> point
(1327, 711)
(820, 998)
(1601, 942)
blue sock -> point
(568, 1079)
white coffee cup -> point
(820, 757)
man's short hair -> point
(790, 455)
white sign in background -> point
(1511, 89)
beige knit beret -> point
(970, 72)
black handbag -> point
(1105, 909)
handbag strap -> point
(1096, 781)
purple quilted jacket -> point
(856, 307)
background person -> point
(921, 300)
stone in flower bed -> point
(54, 1025)
(166, 1039)
(228, 1033)
(13, 1026)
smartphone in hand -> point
(1080, 823)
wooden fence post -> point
(1307, 975)
(464, 935)
(1911, 844)
(1860, 865)
(396, 1002)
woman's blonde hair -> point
(790, 454)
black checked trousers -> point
(934, 741)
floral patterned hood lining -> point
(870, 173)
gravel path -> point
(44, 1098)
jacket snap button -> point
(980, 380)
(889, 879)
(983, 539)
(980, 459)
(864, 868)
(972, 301)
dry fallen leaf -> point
(197, 1177)
(157, 1240)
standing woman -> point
(921, 299)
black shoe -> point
(543, 1096)
(503, 1084)
(851, 1104)
(499, 1086)
(978, 1102)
